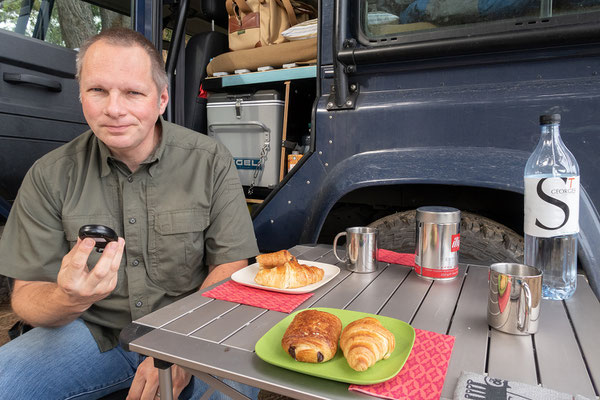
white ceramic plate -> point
(245, 276)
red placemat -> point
(423, 374)
(392, 257)
(232, 291)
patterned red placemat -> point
(232, 291)
(423, 374)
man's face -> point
(120, 100)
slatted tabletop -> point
(218, 337)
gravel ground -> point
(7, 320)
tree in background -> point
(76, 21)
(71, 22)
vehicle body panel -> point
(34, 118)
(468, 120)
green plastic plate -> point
(269, 349)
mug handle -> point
(524, 313)
(339, 235)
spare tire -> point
(482, 240)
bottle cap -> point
(548, 119)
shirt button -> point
(132, 220)
(129, 179)
(135, 263)
(138, 304)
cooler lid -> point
(247, 103)
(259, 95)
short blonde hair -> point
(125, 37)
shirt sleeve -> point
(33, 242)
(230, 235)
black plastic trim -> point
(28, 79)
(36, 55)
(539, 37)
(132, 332)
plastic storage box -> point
(250, 126)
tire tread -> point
(482, 239)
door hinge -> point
(349, 102)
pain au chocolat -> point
(312, 336)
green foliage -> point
(9, 15)
(97, 18)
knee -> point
(16, 374)
(15, 364)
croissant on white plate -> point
(290, 275)
(366, 341)
(270, 260)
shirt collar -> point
(160, 149)
(152, 160)
(104, 156)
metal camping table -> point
(211, 337)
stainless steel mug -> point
(515, 294)
(437, 242)
(361, 249)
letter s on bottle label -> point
(551, 206)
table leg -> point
(165, 382)
(217, 384)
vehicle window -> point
(397, 17)
(65, 23)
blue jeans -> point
(65, 363)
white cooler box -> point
(249, 125)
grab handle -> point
(248, 123)
(20, 79)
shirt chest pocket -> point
(176, 249)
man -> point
(172, 195)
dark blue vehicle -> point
(445, 114)
(413, 103)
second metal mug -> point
(361, 249)
(515, 294)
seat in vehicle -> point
(200, 49)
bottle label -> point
(551, 206)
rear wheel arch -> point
(491, 224)
(481, 239)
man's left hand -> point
(145, 382)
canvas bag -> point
(256, 23)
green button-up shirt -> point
(182, 210)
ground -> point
(7, 320)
